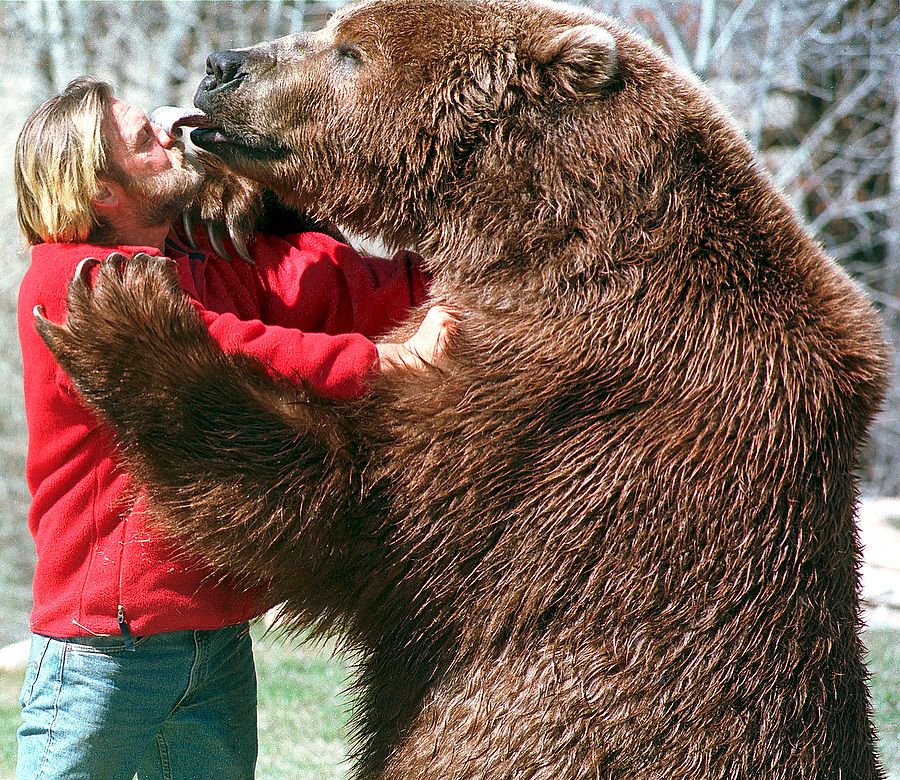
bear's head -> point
(521, 120)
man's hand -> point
(428, 346)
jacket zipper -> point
(120, 611)
(123, 627)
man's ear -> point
(108, 197)
(572, 63)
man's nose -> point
(165, 140)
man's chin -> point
(164, 198)
(181, 160)
(177, 205)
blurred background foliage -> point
(813, 83)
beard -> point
(164, 196)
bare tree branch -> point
(764, 82)
(844, 107)
(704, 35)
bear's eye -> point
(348, 55)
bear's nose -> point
(224, 66)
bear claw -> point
(114, 261)
(214, 231)
(83, 270)
(240, 246)
(218, 233)
(188, 221)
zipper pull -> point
(126, 631)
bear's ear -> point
(570, 64)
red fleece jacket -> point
(306, 309)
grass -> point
(884, 665)
(302, 711)
(10, 685)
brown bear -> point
(614, 536)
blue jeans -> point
(181, 705)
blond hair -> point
(60, 154)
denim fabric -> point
(181, 706)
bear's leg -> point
(248, 471)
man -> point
(139, 662)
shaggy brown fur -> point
(615, 538)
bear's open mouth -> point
(215, 136)
(226, 144)
(210, 136)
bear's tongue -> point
(173, 118)
(180, 123)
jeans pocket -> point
(101, 645)
(27, 685)
(36, 655)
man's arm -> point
(320, 305)
(312, 278)
(428, 346)
(339, 366)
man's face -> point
(156, 179)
